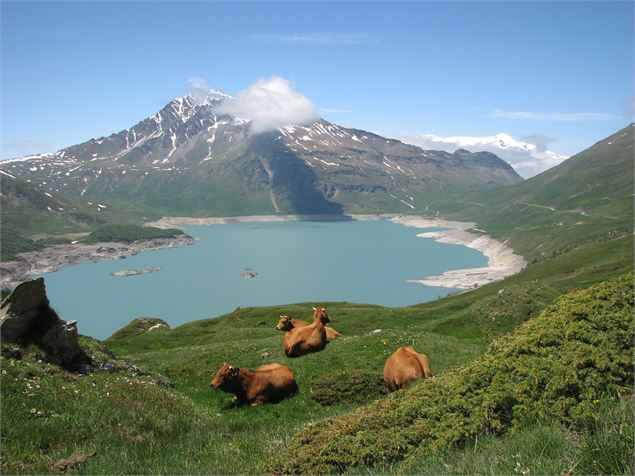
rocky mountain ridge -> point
(189, 159)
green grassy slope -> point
(31, 219)
(587, 198)
(556, 367)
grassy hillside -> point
(556, 367)
(170, 421)
(587, 198)
(32, 219)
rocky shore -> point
(55, 257)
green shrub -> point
(127, 233)
(557, 366)
(347, 386)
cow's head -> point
(284, 324)
(226, 377)
(320, 313)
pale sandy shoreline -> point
(501, 259)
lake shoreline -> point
(52, 258)
(501, 259)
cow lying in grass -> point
(267, 384)
(306, 339)
(286, 323)
(405, 366)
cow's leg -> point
(425, 365)
(257, 402)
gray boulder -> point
(27, 318)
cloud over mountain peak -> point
(270, 104)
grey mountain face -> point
(189, 160)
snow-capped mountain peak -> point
(528, 159)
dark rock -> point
(99, 367)
(136, 370)
(27, 318)
(12, 353)
(165, 383)
(20, 310)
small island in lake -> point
(248, 273)
(134, 272)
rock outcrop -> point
(27, 318)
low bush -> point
(558, 366)
(347, 386)
(128, 233)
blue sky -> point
(76, 70)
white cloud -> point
(528, 157)
(270, 104)
(554, 116)
(318, 39)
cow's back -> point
(404, 366)
(304, 340)
(299, 323)
(272, 383)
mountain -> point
(189, 160)
(589, 197)
(527, 158)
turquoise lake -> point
(356, 261)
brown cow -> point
(405, 366)
(287, 323)
(306, 339)
(268, 383)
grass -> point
(137, 426)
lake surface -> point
(357, 261)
